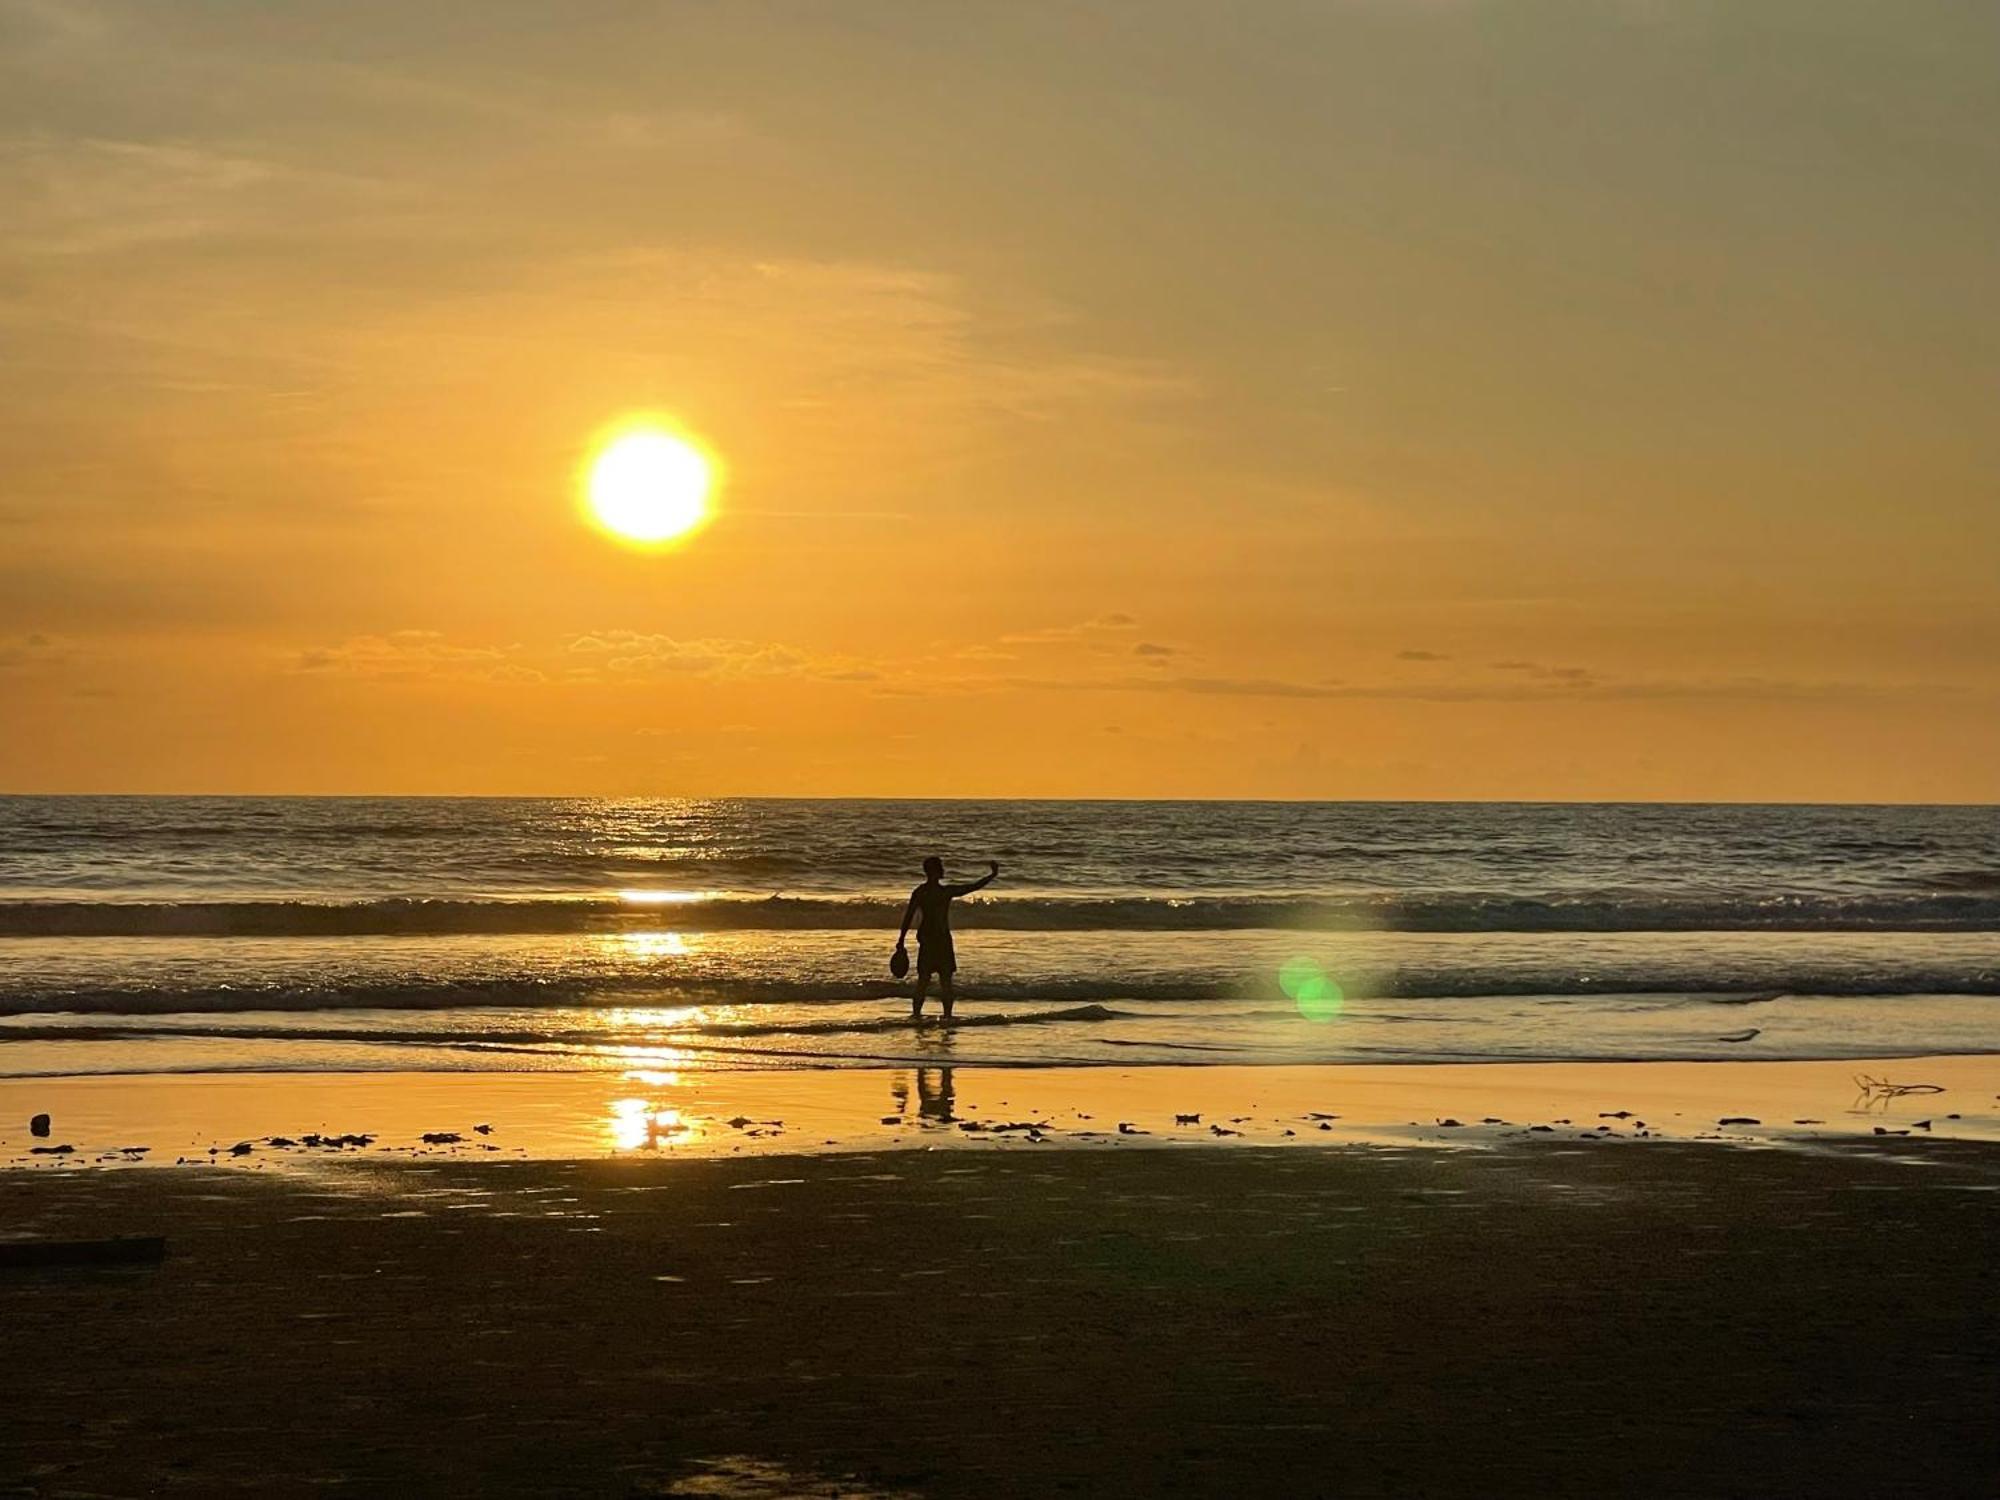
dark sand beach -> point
(1541, 1316)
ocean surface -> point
(189, 934)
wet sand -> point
(1541, 1317)
(261, 1121)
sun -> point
(648, 485)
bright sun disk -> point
(647, 485)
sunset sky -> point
(1396, 398)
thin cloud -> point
(1551, 688)
(407, 654)
(32, 649)
(632, 654)
(1081, 630)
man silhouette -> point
(930, 908)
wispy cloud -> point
(635, 654)
(72, 196)
(1571, 688)
(418, 654)
(1095, 628)
(596, 656)
(31, 650)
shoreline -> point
(269, 1120)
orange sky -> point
(1395, 398)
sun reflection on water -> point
(643, 1125)
(666, 1062)
(653, 944)
(655, 1017)
(653, 1078)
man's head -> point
(934, 867)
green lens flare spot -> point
(1296, 975)
(1306, 985)
(1320, 1000)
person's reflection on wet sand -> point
(935, 1097)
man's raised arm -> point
(969, 887)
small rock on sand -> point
(62, 1150)
(1738, 1120)
(441, 1137)
(39, 1126)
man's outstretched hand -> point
(993, 865)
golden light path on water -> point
(653, 944)
(636, 1123)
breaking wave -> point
(405, 992)
(1968, 910)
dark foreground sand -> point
(1647, 1318)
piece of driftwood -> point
(1895, 1090)
(120, 1250)
(1879, 1091)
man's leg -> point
(917, 1000)
(945, 992)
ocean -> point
(198, 934)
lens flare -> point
(1311, 989)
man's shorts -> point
(936, 957)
